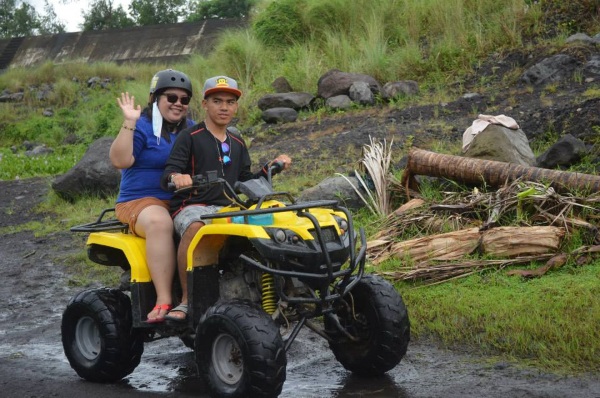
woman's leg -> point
(155, 224)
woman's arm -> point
(121, 150)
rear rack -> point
(101, 225)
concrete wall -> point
(140, 44)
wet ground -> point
(35, 286)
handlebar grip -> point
(171, 187)
(277, 166)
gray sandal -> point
(180, 308)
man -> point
(205, 147)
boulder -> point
(281, 85)
(295, 101)
(336, 82)
(565, 152)
(279, 115)
(335, 188)
(341, 102)
(93, 174)
(552, 69)
(360, 93)
(399, 89)
(500, 143)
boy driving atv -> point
(204, 147)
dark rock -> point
(281, 85)
(93, 174)
(400, 89)
(339, 102)
(556, 68)
(295, 101)
(361, 93)
(335, 188)
(279, 115)
(565, 152)
(336, 82)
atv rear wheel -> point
(97, 335)
(374, 313)
(239, 351)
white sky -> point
(69, 11)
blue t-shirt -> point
(142, 179)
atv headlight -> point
(280, 236)
(284, 236)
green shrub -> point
(281, 23)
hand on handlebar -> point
(280, 163)
(180, 181)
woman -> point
(141, 149)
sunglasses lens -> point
(226, 160)
(225, 147)
(172, 98)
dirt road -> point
(35, 286)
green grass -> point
(19, 165)
(551, 321)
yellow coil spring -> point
(269, 302)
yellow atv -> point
(264, 268)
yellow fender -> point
(132, 246)
(205, 246)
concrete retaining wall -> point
(140, 44)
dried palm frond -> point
(537, 210)
(437, 273)
(375, 164)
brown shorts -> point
(128, 212)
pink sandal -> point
(159, 307)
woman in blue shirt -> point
(141, 150)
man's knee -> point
(191, 231)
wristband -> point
(127, 127)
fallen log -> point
(491, 172)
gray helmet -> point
(170, 78)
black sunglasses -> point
(172, 98)
(226, 159)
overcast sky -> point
(69, 11)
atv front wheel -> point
(240, 352)
(97, 336)
(374, 313)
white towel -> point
(157, 121)
(482, 122)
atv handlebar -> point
(254, 192)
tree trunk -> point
(493, 173)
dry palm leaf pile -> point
(467, 232)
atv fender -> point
(204, 247)
(133, 247)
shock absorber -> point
(269, 302)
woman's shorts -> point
(128, 212)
